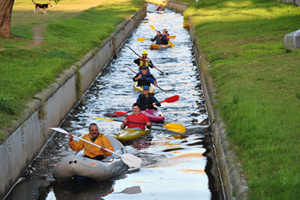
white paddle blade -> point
(60, 130)
(131, 160)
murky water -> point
(175, 166)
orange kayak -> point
(157, 46)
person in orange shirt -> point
(92, 151)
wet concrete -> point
(175, 166)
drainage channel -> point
(175, 165)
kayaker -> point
(136, 116)
(160, 7)
(144, 61)
(147, 101)
(166, 34)
(160, 39)
(144, 77)
(91, 151)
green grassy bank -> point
(258, 93)
(69, 31)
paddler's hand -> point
(102, 148)
(153, 66)
(70, 136)
(141, 57)
(124, 122)
(148, 124)
(140, 76)
(154, 104)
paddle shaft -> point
(145, 79)
(139, 56)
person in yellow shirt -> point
(92, 151)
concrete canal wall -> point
(51, 106)
(234, 184)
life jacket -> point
(146, 103)
(144, 63)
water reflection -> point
(175, 166)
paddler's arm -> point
(151, 64)
(156, 103)
(124, 124)
(137, 77)
(75, 146)
(107, 144)
(153, 39)
(137, 61)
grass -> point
(257, 80)
(71, 29)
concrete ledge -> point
(235, 186)
(49, 107)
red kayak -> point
(154, 115)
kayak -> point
(157, 46)
(79, 167)
(140, 88)
(130, 134)
(154, 115)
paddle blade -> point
(60, 130)
(171, 44)
(151, 26)
(131, 160)
(171, 99)
(120, 113)
(175, 127)
(107, 119)
(141, 39)
(172, 37)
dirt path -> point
(37, 36)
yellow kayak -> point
(130, 134)
(140, 88)
(157, 46)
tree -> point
(5, 17)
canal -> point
(175, 165)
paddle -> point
(167, 100)
(151, 26)
(146, 79)
(127, 158)
(171, 44)
(171, 126)
(139, 56)
(144, 39)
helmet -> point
(145, 52)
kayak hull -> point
(157, 46)
(130, 134)
(154, 115)
(140, 88)
(86, 168)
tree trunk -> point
(5, 17)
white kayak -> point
(78, 166)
